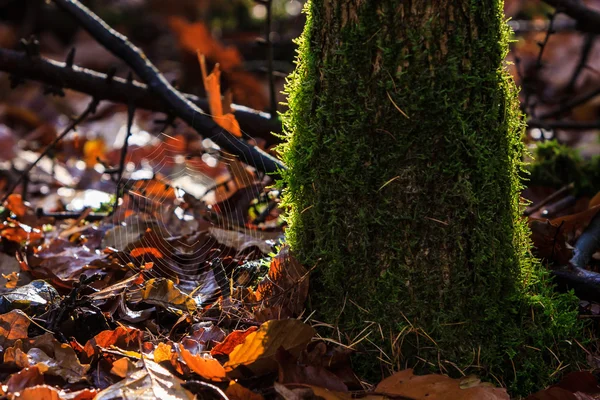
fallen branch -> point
(178, 104)
(588, 19)
(254, 124)
(586, 284)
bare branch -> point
(588, 19)
(179, 104)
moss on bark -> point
(403, 142)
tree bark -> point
(404, 153)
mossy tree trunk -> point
(404, 153)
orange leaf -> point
(212, 85)
(40, 392)
(122, 337)
(233, 339)
(15, 204)
(141, 251)
(208, 368)
(123, 367)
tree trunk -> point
(404, 152)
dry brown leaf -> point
(13, 326)
(23, 379)
(438, 387)
(235, 391)
(257, 352)
(151, 382)
(287, 283)
(290, 371)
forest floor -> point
(141, 259)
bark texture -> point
(404, 153)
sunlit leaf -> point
(151, 382)
(163, 292)
(437, 387)
(257, 352)
(13, 326)
(204, 365)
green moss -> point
(556, 165)
(403, 142)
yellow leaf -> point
(258, 350)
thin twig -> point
(91, 108)
(583, 59)
(272, 95)
(563, 190)
(182, 107)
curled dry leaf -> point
(257, 352)
(438, 387)
(287, 284)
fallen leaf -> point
(23, 379)
(40, 392)
(290, 371)
(204, 365)
(151, 382)
(287, 283)
(235, 391)
(60, 360)
(257, 352)
(235, 338)
(122, 337)
(437, 387)
(15, 204)
(13, 326)
(163, 352)
(163, 292)
(123, 367)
